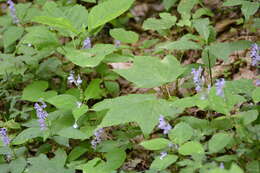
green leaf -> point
(115, 158)
(156, 144)
(180, 45)
(235, 168)
(190, 148)
(123, 35)
(253, 166)
(27, 134)
(161, 164)
(79, 111)
(57, 22)
(185, 7)
(248, 116)
(72, 133)
(107, 11)
(36, 91)
(135, 108)
(202, 26)
(233, 2)
(41, 38)
(11, 35)
(77, 152)
(256, 95)
(93, 90)
(166, 22)
(42, 164)
(90, 57)
(168, 4)
(149, 72)
(63, 102)
(228, 48)
(249, 8)
(18, 165)
(218, 142)
(181, 133)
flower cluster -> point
(117, 43)
(166, 127)
(97, 138)
(197, 78)
(41, 114)
(220, 83)
(71, 79)
(254, 54)
(163, 154)
(13, 11)
(5, 138)
(87, 43)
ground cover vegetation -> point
(129, 86)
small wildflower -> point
(222, 165)
(171, 145)
(163, 154)
(257, 82)
(87, 43)
(5, 138)
(75, 125)
(117, 43)
(29, 45)
(197, 78)
(166, 127)
(254, 54)
(13, 11)
(71, 79)
(78, 104)
(97, 137)
(220, 83)
(41, 114)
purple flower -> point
(13, 11)
(163, 154)
(117, 43)
(257, 82)
(87, 43)
(41, 114)
(97, 137)
(222, 165)
(71, 79)
(166, 127)
(220, 83)
(254, 54)
(5, 138)
(197, 78)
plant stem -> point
(210, 72)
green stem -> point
(210, 71)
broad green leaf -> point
(11, 65)
(77, 15)
(247, 117)
(107, 11)
(168, 4)
(241, 86)
(94, 91)
(233, 2)
(18, 165)
(135, 108)
(249, 8)
(202, 26)
(11, 35)
(21, 10)
(95, 165)
(149, 72)
(180, 45)
(77, 152)
(57, 22)
(72, 133)
(79, 111)
(235, 168)
(181, 133)
(256, 95)
(190, 148)
(63, 102)
(156, 144)
(36, 91)
(253, 166)
(115, 158)
(161, 164)
(90, 1)
(228, 48)
(41, 38)
(123, 35)
(223, 104)
(51, 9)
(166, 22)
(218, 142)
(90, 57)
(185, 6)
(27, 134)
(42, 164)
